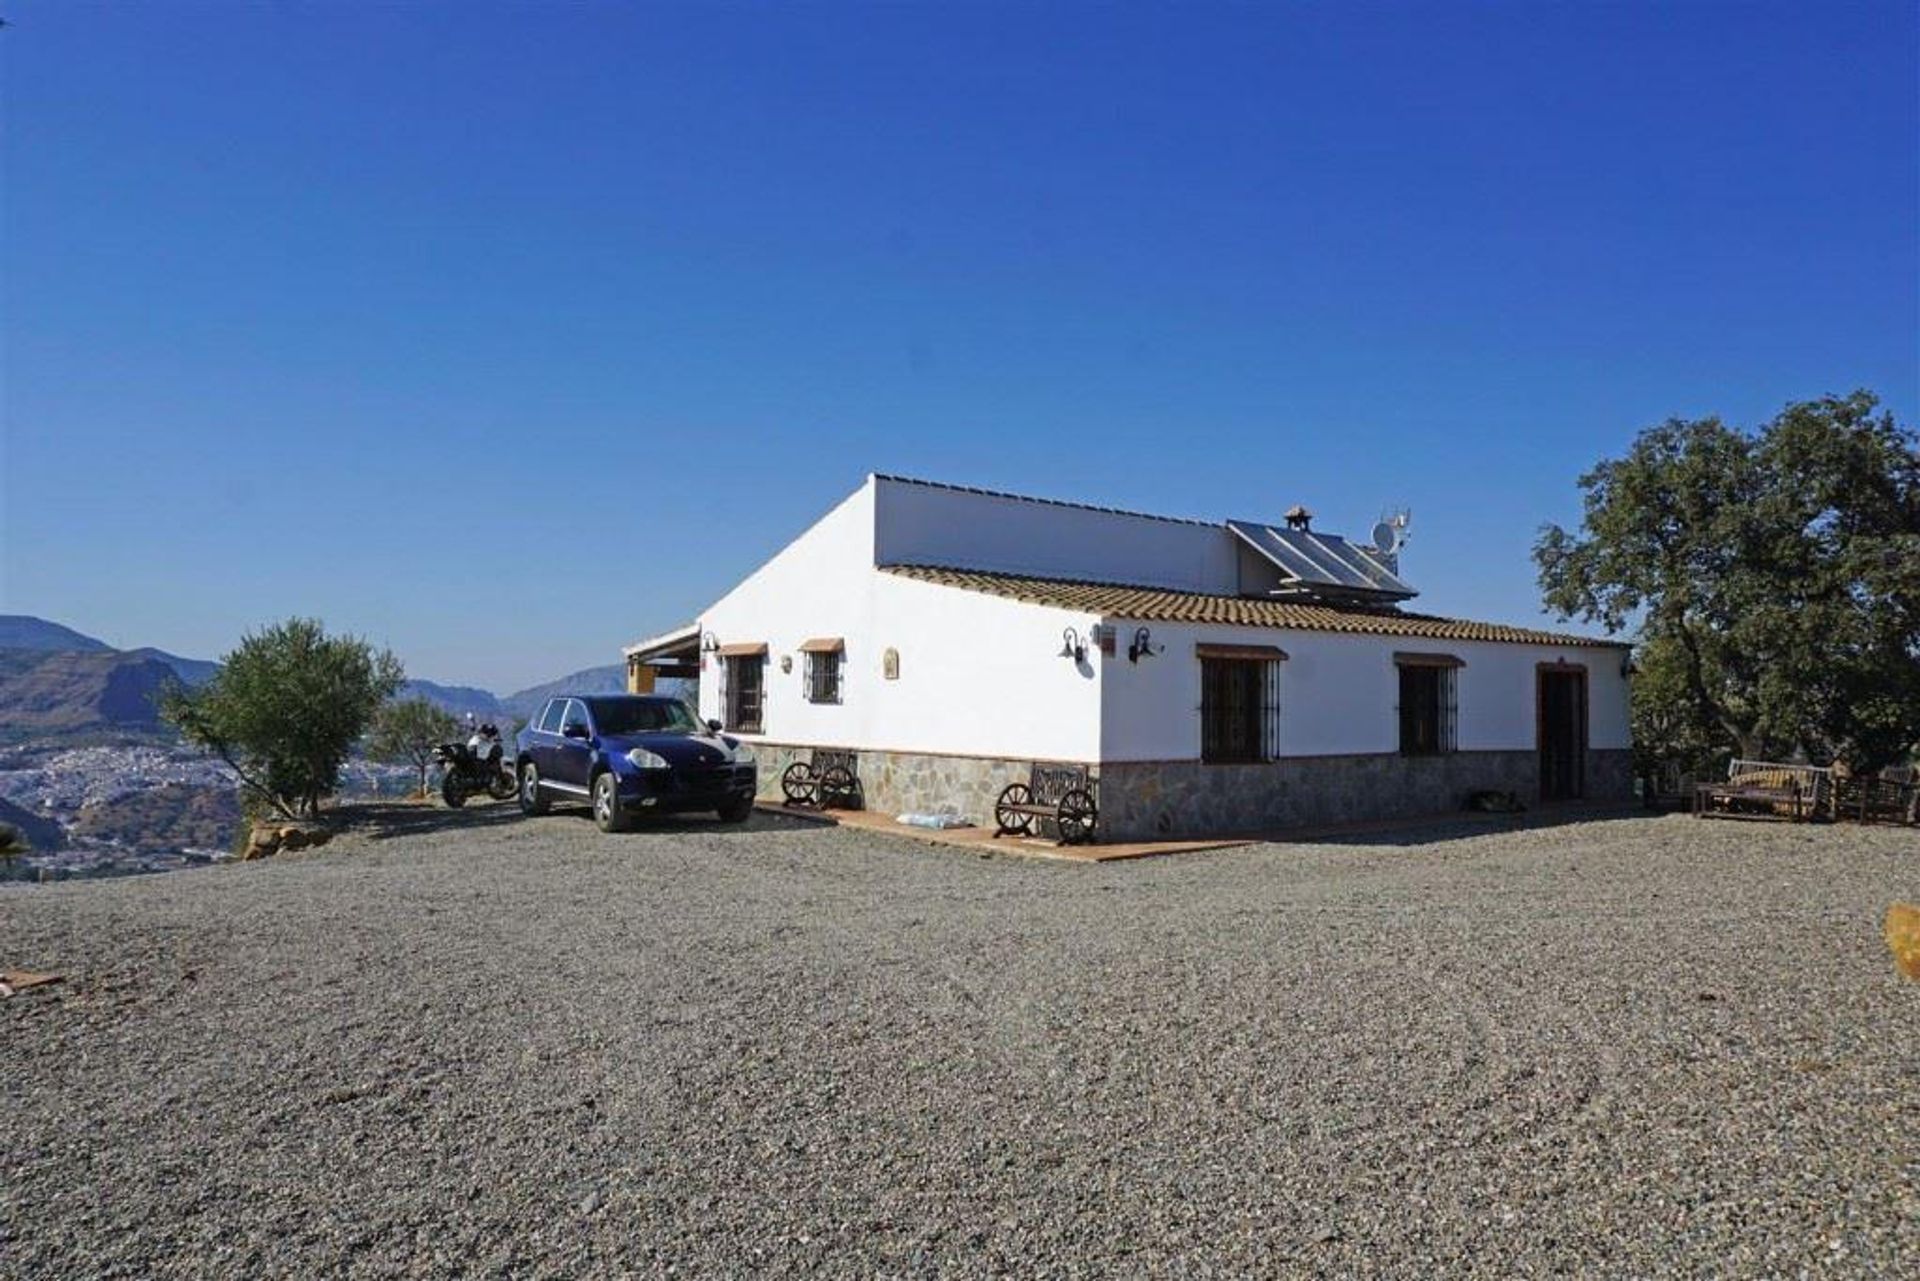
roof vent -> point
(1299, 517)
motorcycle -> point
(475, 766)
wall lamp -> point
(1072, 646)
(709, 643)
(1142, 646)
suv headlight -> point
(641, 758)
(743, 755)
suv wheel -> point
(737, 811)
(533, 801)
(607, 814)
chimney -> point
(1299, 518)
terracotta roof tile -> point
(1160, 604)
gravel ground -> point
(474, 1044)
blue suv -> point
(631, 754)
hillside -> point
(458, 699)
(173, 815)
(610, 679)
(194, 671)
(42, 833)
(63, 692)
(23, 631)
(40, 635)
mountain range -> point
(57, 681)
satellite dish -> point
(1390, 535)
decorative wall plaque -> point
(890, 664)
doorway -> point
(744, 687)
(1562, 702)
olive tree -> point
(286, 709)
(405, 732)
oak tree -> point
(1773, 576)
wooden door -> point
(1562, 700)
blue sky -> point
(505, 334)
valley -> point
(101, 786)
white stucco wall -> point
(821, 584)
(1339, 693)
(929, 525)
(979, 675)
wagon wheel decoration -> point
(798, 783)
(837, 785)
(1010, 819)
(1076, 817)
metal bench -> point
(1057, 794)
(829, 777)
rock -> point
(293, 838)
(1903, 938)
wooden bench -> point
(1766, 789)
(829, 777)
(1057, 794)
(1728, 800)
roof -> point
(1044, 502)
(680, 638)
(1160, 604)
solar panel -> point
(1323, 561)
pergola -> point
(675, 653)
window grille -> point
(1239, 709)
(1429, 709)
(823, 677)
(743, 692)
(1270, 728)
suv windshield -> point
(644, 716)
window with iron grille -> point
(1429, 709)
(823, 677)
(744, 683)
(1238, 712)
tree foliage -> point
(405, 731)
(1774, 577)
(13, 844)
(286, 709)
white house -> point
(1212, 677)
